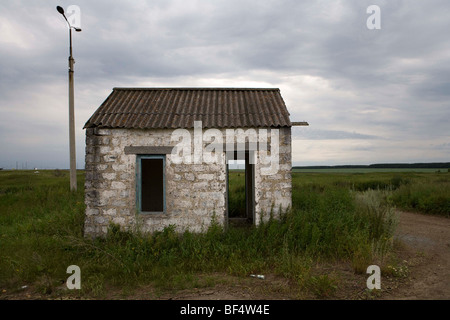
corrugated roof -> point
(179, 107)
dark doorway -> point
(236, 191)
(152, 185)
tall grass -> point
(236, 190)
(320, 226)
(41, 235)
(430, 197)
(427, 193)
(35, 212)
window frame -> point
(139, 158)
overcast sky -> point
(370, 96)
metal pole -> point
(73, 166)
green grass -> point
(430, 197)
(425, 192)
(236, 189)
(345, 217)
(36, 210)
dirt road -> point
(426, 247)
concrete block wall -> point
(273, 192)
(194, 192)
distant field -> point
(368, 170)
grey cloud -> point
(399, 72)
(305, 133)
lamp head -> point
(60, 10)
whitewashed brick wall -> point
(194, 192)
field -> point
(344, 220)
(370, 170)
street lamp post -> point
(73, 166)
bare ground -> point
(426, 248)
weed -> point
(371, 294)
(430, 197)
(322, 286)
(398, 271)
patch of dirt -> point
(425, 243)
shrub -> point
(373, 207)
(58, 173)
(430, 197)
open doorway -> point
(240, 189)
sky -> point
(369, 95)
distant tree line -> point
(432, 165)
